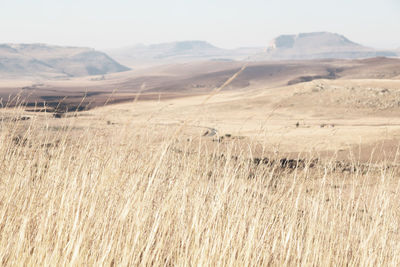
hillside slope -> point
(177, 52)
(54, 61)
(200, 78)
(318, 45)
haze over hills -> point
(314, 45)
(41, 60)
(178, 52)
(317, 45)
(46, 61)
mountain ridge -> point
(177, 52)
(318, 45)
(301, 46)
(54, 61)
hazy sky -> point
(226, 23)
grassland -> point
(304, 174)
(112, 190)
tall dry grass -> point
(132, 196)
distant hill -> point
(54, 61)
(318, 45)
(177, 52)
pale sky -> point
(226, 23)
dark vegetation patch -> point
(58, 98)
(57, 107)
(334, 166)
(332, 74)
(287, 163)
(20, 140)
(15, 119)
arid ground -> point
(346, 108)
(204, 164)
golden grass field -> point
(153, 183)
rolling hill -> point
(195, 78)
(40, 60)
(318, 45)
(315, 45)
(177, 52)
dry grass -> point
(123, 197)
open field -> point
(103, 188)
(290, 164)
(325, 117)
(200, 133)
(182, 80)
